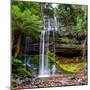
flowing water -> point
(26, 61)
(48, 26)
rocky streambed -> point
(53, 81)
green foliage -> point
(47, 9)
(64, 10)
(81, 24)
(66, 13)
(18, 69)
(23, 70)
(16, 61)
(52, 57)
(75, 14)
(68, 40)
(26, 20)
(34, 7)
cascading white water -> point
(44, 46)
(53, 69)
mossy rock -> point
(72, 67)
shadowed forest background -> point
(69, 56)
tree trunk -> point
(17, 51)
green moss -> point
(22, 70)
(72, 67)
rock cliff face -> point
(66, 44)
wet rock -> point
(63, 80)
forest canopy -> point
(26, 17)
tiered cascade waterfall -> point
(48, 26)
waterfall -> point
(26, 50)
(42, 53)
(44, 45)
(53, 69)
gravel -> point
(56, 81)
